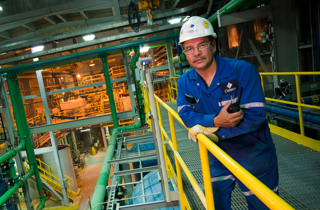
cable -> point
(133, 17)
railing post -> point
(261, 76)
(162, 137)
(299, 103)
(178, 169)
(206, 176)
(158, 142)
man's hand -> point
(225, 119)
(208, 131)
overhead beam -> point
(116, 11)
(13, 21)
(50, 20)
(248, 15)
(23, 40)
(62, 17)
(5, 34)
(175, 4)
(159, 28)
(84, 15)
(29, 26)
(80, 122)
(105, 23)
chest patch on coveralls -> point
(229, 87)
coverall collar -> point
(223, 71)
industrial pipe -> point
(133, 66)
(16, 185)
(178, 51)
(100, 189)
(292, 113)
(109, 90)
(24, 132)
(311, 99)
(226, 9)
(12, 152)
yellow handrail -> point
(48, 172)
(266, 195)
(303, 140)
(173, 88)
(298, 138)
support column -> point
(170, 60)
(9, 127)
(74, 143)
(179, 56)
(43, 94)
(131, 86)
(152, 57)
(285, 38)
(103, 133)
(24, 132)
(109, 90)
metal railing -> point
(298, 138)
(49, 172)
(173, 89)
(295, 137)
(267, 196)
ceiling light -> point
(1, 9)
(78, 75)
(92, 64)
(89, 37)
(186, 18)
(174, 20)
(144, 49)
(37, 48)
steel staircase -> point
(47, 175)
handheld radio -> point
(236, 106)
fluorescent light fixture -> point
(174, 20)
(186, 18)
(89, 37)
(37, 48)
(92, 64)
(144, 49)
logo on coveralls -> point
(230, 86)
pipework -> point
(25, 139)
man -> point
(204, 94)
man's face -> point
(201, 60)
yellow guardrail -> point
(267, 196)
(298, 138)
(48, 173)
(173, 89)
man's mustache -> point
(201, 57)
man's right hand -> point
(225, 119)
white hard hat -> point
(196, 27)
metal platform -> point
(299, 169)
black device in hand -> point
(236, 106)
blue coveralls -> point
(249, 143)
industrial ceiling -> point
(59, 24)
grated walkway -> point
(299, 169)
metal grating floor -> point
(299, 169)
